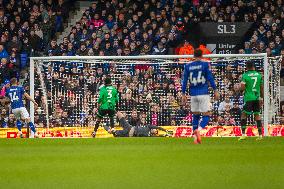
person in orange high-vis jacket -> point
(186, 49)
(205, 51)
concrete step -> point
(73, 18)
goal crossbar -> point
(56, 58)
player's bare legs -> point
(243, 126)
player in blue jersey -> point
(199, 75)
(15, 95)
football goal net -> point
(149, 85)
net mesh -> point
(68, 90)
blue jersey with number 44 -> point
(199, 76)
(15, 94)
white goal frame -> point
(68, 58)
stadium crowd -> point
(114, 28)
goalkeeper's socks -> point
(32, 126)
(19, 125)
(205, 121)
(259, 127)
(195, 121)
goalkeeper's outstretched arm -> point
(158, 128)
(168, 133)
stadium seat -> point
(24, 60)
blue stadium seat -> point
(24, 60)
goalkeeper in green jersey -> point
(252, 85)
(107, 104)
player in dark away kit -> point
(107, 101)
(252, 85)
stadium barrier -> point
(85, 132)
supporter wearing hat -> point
(254, 50)
(180, 24)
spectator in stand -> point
(3, 52)
(11, 122)
(52, 49)
(35, 41)
(247, 48)
(159, 49)
(5, 70)
(225, 104)
(204, 49)
(186, 48)
(236, 112)
(3, 90)
(3, 118)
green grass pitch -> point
(166, 163)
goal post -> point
(161, 60)
(265, 91)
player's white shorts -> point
(21, 113)
(200, 103)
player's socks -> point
(33, 130)
(259, 127)
(96, 126)
(195, 121)
(205, 121)
(19, 125)
(94, 133)
(32, 126)
(243, 126)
